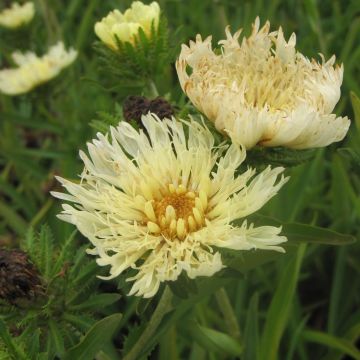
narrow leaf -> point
(331, 341)
(95, 339)
(56, 338)
(355, 101)
(96, 302)
(251, 335)
(10, 343)
(280, 306)
(214, 340)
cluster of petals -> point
(125, 27)
(163, 202)
(17, 15)
(262, 91)
(33, 70)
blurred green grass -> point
(42, 132)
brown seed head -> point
(136, 106)
(19, 278)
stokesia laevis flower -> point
(17, 15)
(262, 91)
(163, 203)
(126, 26)
(33, 70)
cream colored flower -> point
(17, 15)
(33, 70)
(163, 203)
(126, 26)
(262, 91)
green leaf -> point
(333, 342)
(94, 340)
(213, 340)
(183, 287)
(245, 261)
(45, 249)
(65, 254)
(10, 343)
(56, 338)
(96, 302)
(303, 233)
(34, 344)
(355, 101)
(351, 155)
(277, 315)
(82, 323)
(251, 335)
(14, 221)
(278, 156)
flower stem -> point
(51, 23)
(228, 312)
(162, 308)
(152, 89)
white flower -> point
(126, 26)
(17, 15)
(162, 203)
(262, 91)
(33, 70)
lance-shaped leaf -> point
(95, 339)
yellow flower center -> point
(177, 213)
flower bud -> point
(126, 26)
(17, 15)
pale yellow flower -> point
(33, 70)
(17, 15)
(163, 203)
(262, 91)
(126, 26)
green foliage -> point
(303, 313)
(98, 336)
(262, 156)
(105, 120)
(133, 64)
(214, 341)
(70, 304)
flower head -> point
(126, 26)
(163, 202)
(17, 15)
(33, 70)
(262, 91)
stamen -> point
(149, 211)
(203, 198)
(145, 189)
(191, 223)
(170, 213)
(198, 205)
(153, 228)
(180, 228)
(172, 188)
(197, 216)
(177, 212)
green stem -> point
(228, 312)
(223, 20)
(51, 23)
(162, 308)
(152, 89)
